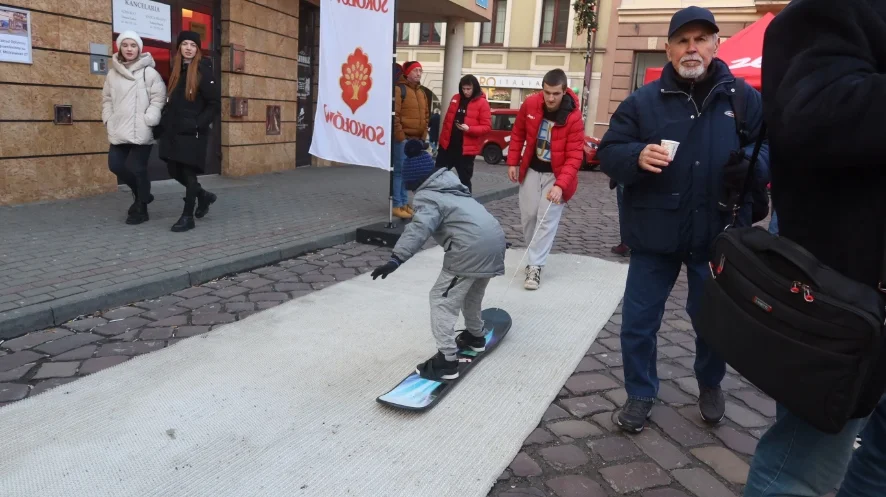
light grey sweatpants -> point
(450, 295)
(533, 204)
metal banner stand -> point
(391, 224)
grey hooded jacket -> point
(471, 237)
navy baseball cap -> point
(691, 14)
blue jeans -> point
(793, 459)
(401, 198)
(650, 280)
(773, 223)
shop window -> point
(643, 61)
(199, 23)
(429, 34)
(554, 23)
(403, 33)
(493, 32)
(499, 98)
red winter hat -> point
(409, 66)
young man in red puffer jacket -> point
(551, 127)
(467, 121)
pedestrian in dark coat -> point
(194, 101)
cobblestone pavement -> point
(574, 451)
(59, 260)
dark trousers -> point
(135, 178)
(463, 164)
(650, 280)
(187, 176)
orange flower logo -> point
(356, 80)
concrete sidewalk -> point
(59, 260)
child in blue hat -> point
(474, 246)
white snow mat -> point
(283, 403)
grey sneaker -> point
(711, 404)
(533, 278)
(632, 418)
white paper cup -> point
(671, 146)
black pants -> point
(463, 164)
(187, 176)
(137, 177)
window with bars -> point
(554, 23)
(429, 34)
(493, 32)
(403, 33)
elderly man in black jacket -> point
(824, 97)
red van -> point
(495, 143)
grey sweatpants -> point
(533, 204)
(450, 295)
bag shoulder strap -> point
(402, 91)
(752, 165)
(739, 107)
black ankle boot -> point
(184, 223)
(139, 214)
(204, 200)
(135, 202)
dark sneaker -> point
(712, 404)
(621, 249)
(468, 341)
(203, 202)
(437, 368)
(533, 278)
(632, 418)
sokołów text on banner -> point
(353, 121)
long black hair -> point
(472, 80)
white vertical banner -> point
(353, 120)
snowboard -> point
(415, 393)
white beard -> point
(693, 73)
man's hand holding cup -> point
(654, 157)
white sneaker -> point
(533, 278)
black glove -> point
(387, 269)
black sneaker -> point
(437, 368)
(203, 202)
(711, 404)
(632, 417)
(468, 341)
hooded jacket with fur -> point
(132, 100)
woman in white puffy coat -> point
(132, 100)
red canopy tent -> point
(743, 52)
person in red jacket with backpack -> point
(467, 121)
(550, 125)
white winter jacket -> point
(132, 99)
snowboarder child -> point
(475, 251)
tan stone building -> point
(638, 32)
(511, 53)
(265, 52)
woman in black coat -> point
(194, 101)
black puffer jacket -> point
(184, 127)
(824, 99)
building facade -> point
(511, 53)
(53, 144)
(638, 32)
